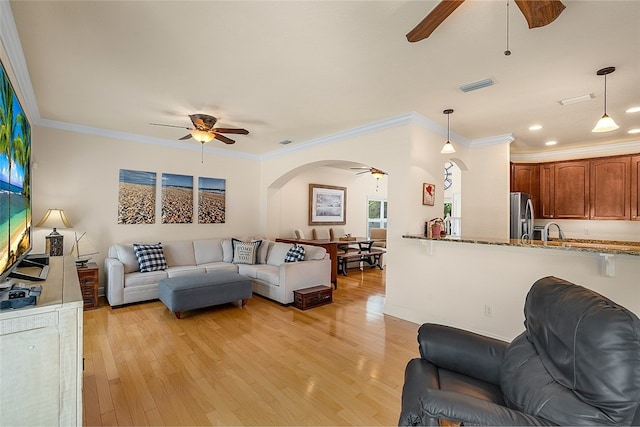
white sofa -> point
(271, 276)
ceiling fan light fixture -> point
(606, 123)
(202, 136)
(448, 147)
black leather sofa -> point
(576, 363)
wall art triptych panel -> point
(177, 199)
(137, 197)
(211, 200)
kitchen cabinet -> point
(547, 204)
(610, 185)
(571, 190)
(635, 188)
(525, 178)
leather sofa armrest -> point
(114, 288)
(462, 351)
(470, 410)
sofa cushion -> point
(127, 257)
(277, 253)
(245, 252)
(227, 250)
(269, 274)
(314, 252)
(295, 254)
(263, 251)
(252, 270)
(219, 266)
(185, 270)
(150, 257)
(137, 278)
(179, 252)
(207, 250)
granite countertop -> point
(581, 245)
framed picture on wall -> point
(327, 205)
(428, 194)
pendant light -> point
(448, 148)
(606, 123)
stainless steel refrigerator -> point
(521, 216)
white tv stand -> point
(41, 353)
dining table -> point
(331, 246)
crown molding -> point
(400, 120)
(578, 153)
(507, 138)
(12, 46)
(71, 127)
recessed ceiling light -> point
(535, 127)
(633, 110)
(577, 99)
(634, 131)
(551, 143)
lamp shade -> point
(201, 135)
(54, 218)
(605, 124)
(447, 148)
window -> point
(377, 214)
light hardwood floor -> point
(264, 364)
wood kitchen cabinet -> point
(525, 178)
(610, 184)
(635, 188)
(571, 190)
(547, 192)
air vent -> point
(477, 85)
(285, 142)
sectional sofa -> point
(271, 276)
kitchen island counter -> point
(612, 247)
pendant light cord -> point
(605, 94)
(507, 52)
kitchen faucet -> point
(545, 231)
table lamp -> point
(54, 242)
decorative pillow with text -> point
(245, 252)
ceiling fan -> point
(538, 13)
(203, 129)
(370, 169)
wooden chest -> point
(312, 297)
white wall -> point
(451, 282)
(295, 213)
(80, 174)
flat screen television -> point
(15, 180)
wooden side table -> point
(88, 277)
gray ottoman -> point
(203, 290)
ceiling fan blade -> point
(433, 19)
(231, 130)
(187, 136)
(539, 13)
(361, 167)
(224, 139)
(203, 121)
(171, 126)
(360, 173)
